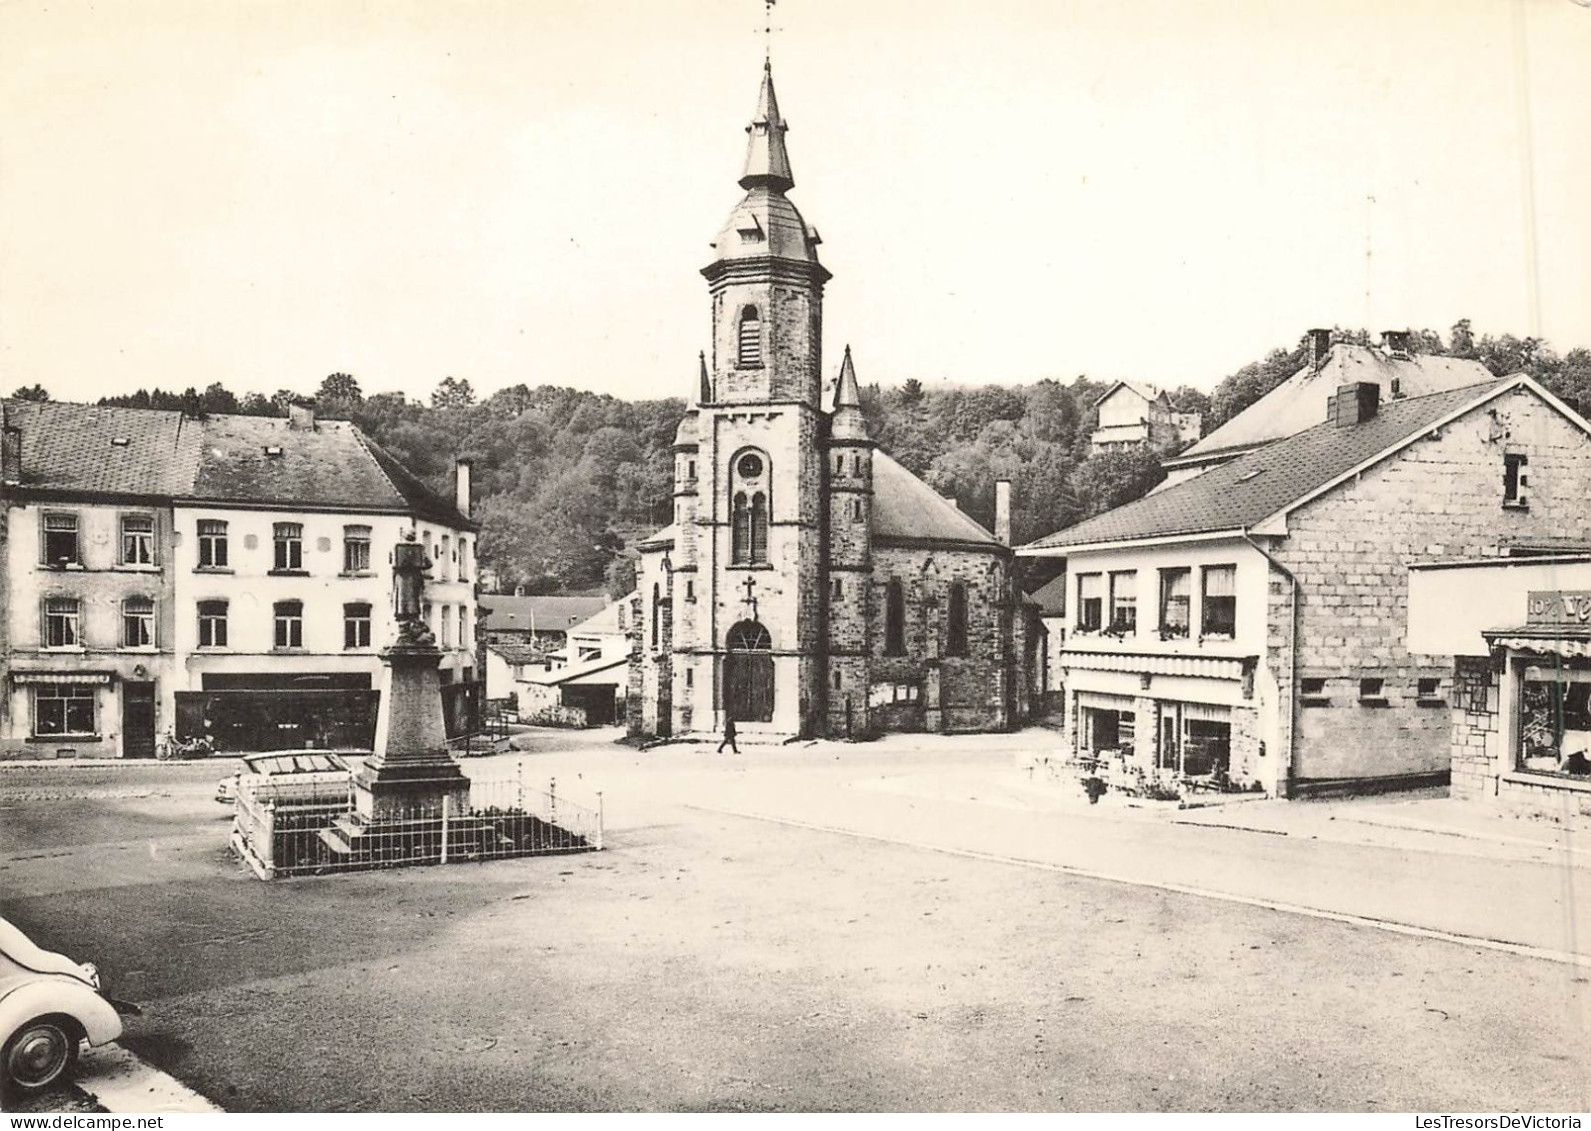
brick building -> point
(1250, 623)
(808, 583)
(219, 576)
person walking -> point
(729, 737)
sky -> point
(262, 192)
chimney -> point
(1002, 511)
(301, 417)
(461, 485)
(1319, 347)
(1354, 404)
(1396, 343)
(10, 451)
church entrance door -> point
(748, 673)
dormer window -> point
(750, 348)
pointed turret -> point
(685, 434)
(767, 162)
(846, 393)
(848, 422)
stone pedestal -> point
(411, 773)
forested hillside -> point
(565, 479)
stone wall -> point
(1476, 744)
(972, 689)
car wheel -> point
(40, 1053)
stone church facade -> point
(809, 584)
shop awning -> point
(1569, 643)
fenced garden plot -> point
(501, 819)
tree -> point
(31, 393)
(1113, 479)
(453, 393)
(339, 394)
(218, 398)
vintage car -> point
(49, 1005)
(293, 777)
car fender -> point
(60, 995)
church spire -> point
(767, 162)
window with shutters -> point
(749, 354)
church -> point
(809, 585)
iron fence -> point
(501, 818)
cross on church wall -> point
(751, 595)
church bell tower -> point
(749, 641)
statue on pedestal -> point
(411, 770)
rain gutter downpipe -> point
(1285, 782)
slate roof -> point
(503, 613)
(1300, 401)
(1252, 487)
(1051, 596)
(605, 622)
(907, 509)
(76, 449)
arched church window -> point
(750, 343)
(894, 620)
(759, 527)
(749, 509)
(657, 600)
(956, 630)
(740, 531)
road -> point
(921, 950)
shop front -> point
(1521, 727)
(260, 711)
(82, 712)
